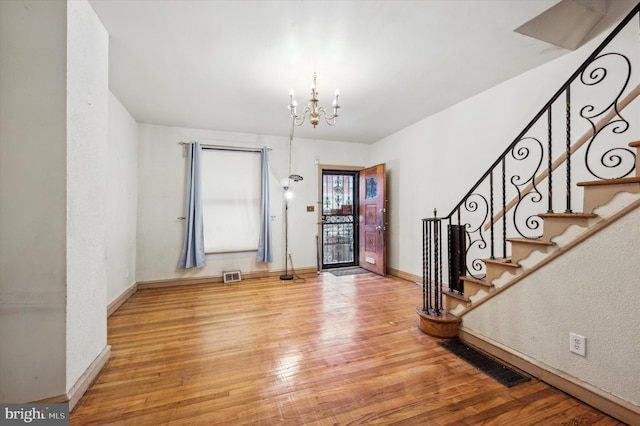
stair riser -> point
(496, 271)
(556, 226)
(470, 288)
(520, 251)
(451, 303)
(596, 196)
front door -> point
(373, 226)
(339, 212)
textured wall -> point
(87, 174)
(592, 290)
(122, 200)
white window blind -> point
(231, 191)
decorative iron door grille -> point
(339, 227)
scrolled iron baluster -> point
(612, 159)
(476, 238)
(521, 153)
(596, 76)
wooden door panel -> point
(370, 215)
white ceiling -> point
(229, 65)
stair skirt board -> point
(488, 366)
(620, 409)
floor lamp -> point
(287, 195)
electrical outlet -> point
(578, 344)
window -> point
(231, 192)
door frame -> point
(321, 169)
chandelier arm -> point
(329, 119)
(306, 113)
(298, 119)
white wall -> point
(577, 294)
(54, 85)
(33, 205)
(122, 200)
(161, 199)
(87, 176)
(433, 163)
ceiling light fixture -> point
(312, 110)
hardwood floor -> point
(328, 351)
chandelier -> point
(312, 111)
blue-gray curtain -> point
(193, 248)
(265, 252)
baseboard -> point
(404, 275)
(80, 387)
(173, 282)
(58, 399)
(88, 377)
(607, 403)
(113, 306)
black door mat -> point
(488, 366)
(348, 271)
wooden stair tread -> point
(568, 215)
(530, 241)
(457, 296)
(502, 262)
(482, 282)
(620, 181)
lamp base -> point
(286, 277)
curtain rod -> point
(227, 148)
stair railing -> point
(599, 91)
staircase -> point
(604, 202)
(569, 174)
(509, 221)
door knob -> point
(378, 228)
